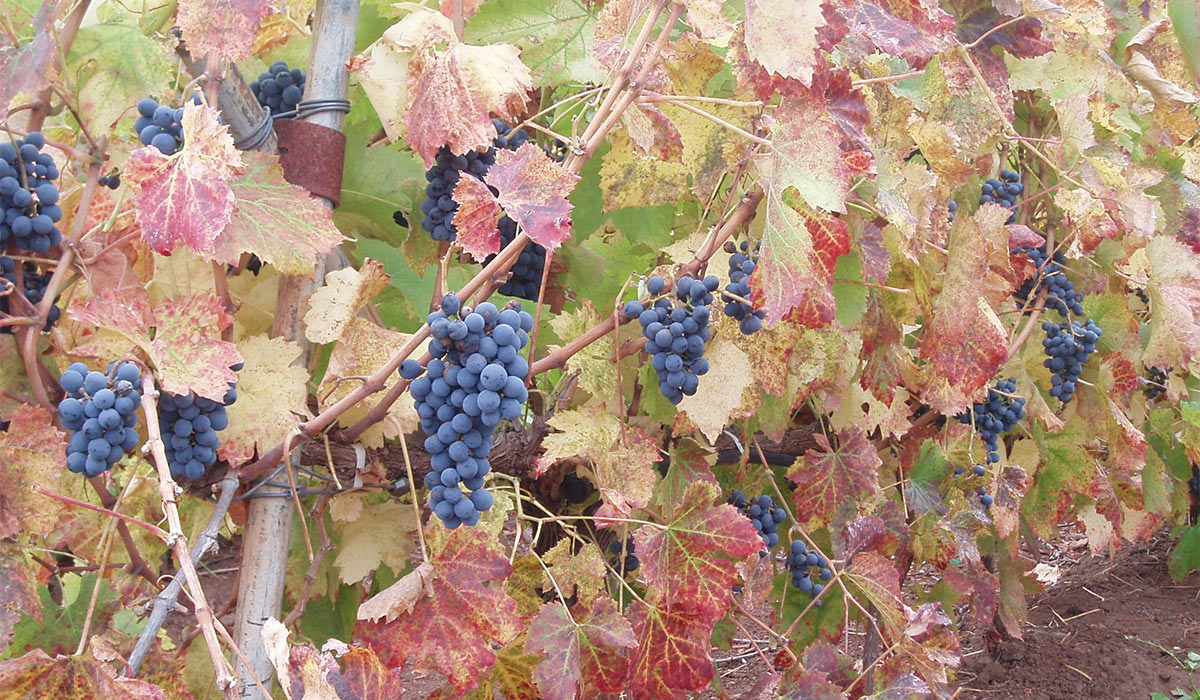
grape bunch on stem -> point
(100, 411)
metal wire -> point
(255, 139)
(307, 108)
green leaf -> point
(1185, 558)
(1185, 20)
(116, 65)
(377, 182)
(556, 37)
(851, 298)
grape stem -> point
(177, 541)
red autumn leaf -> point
(805, 153)
(884, 357)
(965, 343)
(673, 652)
(476, 218)
(222, 29)
(22, 67)
(692, 560)
(454, 88)
(18, 589)
(795, 269)
(815, 685)
(279, 222)
(36, 675)
(449, 630)
(591, 654)
(910, 29)
(31, 450)
(533, 191)
(876, 579)
(186, 197)
(827, 479)
(982, 23)
(182, 338)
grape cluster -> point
(763, 514)
(676, 333)
(953, 207)
(576, 489)
(100, 410)
(112, 182)
(525, 280)
(28, 196)
(800, 563)
(161, 126)
(995, 416)
(1003, 191)
(1069, 345)
(741, 265)
(1060, 291)
(34, 284)
(476, 380)
(1155, 384)
(439, 206)
(622, 556)
(279, 89)
(189, 426)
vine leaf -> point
(37, 675)
(533, 191)
(369, 541)
(579, 574)
(186, 197)
(222, 29)
(591, 654)
(22, 67)
(805, 153)
(914, 31)
(721, 393)
(965, 343)
(1174, 289)
(271, 398)
(827, 479)
(673, 651)
(18, 588)
(556, 37)
(476, 218)
(279, 222)
(305, 672)
(799, 252)
(449, 630)
(692, 560)
(454, 87)
(782, 36)
(31, 451)
(332, 307)
(622, 460)
(182, 338)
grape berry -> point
(995, 416)
(800, 563)
(189, 426)
(1060, 291)
(34, 284)
(1003, 191)
(1155, 384)
(160, 126)
(741, 265)
(1069, 345)
(279, 89)
(100, 411)
(28, 197)
(476, 380)
(676, 333)
(622, 557)
(763, 514)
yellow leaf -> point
(380, 536)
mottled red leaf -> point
(673, 652)
(593, 652)
(878, 581)
(449, 630)
(910, 29)
(781, 35)
(22, 68)
(306, 672)
(653, 132)
(805, 154)
(884, 356)
(533, 191)
(279, 222)
(814, 685)
(692, 559)
(1021, 39)
(36, 675)
(1175, 304)
(32, 454)
(222, 29)
(796, 265)
(186, 197)
(965, 343)
(454, 88)
(476, 218)
(182, 338)
(827, 479)
(18, 588)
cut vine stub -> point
(312, 157)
